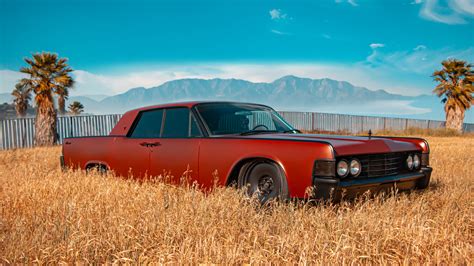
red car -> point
(249, 145)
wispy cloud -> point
(376, 45)
(277, 14)
(279, 32)
(420, 59)
(351, 2)
(326, 36)
(419, 47)
(448, 11)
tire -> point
(263, 180)
(101, 169)
(423, 182)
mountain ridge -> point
(291, 93)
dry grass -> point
(48, 216)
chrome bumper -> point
(335, 189)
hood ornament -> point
(370, 133)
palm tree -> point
(22, 96)
(76, 108)
(63, 94)
(46, 75)
(456, 87)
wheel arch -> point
(235, 170)
(91, 164)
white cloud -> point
(8, 79)
(277, 14)
(419, 60)
(280, 32)
(351, 2)
(464, 6)
(448, 11)
(419, 47)
(406, 72)
(376, 45)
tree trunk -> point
(455, 119)
(45, 126)
(61, 105)
(20, 110)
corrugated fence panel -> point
(19, 133)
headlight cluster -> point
(344, 168)
(413, 161)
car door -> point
(177, 152)
(132, 153)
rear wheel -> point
(101, 169)
(263, 180)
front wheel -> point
(263, 180)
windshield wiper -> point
(253, 132)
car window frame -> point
(192, 113)
(209, 132)
(137, 119)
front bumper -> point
(335, 189)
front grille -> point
(385, 164)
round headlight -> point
(410, 162)
(416, 161)
(356, 167)
(342, 168)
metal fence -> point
(355, 124)
(19, 133)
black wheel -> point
(423, 182)
(263, 180)
(101, 169)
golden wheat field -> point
(48, 216)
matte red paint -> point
(207, 158)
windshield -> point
(238, 118)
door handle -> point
(154, 144)
(150, 144)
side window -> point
(194, 128)
(176, 123)
(148, 125)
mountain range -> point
(286, 93)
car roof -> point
(188, 104)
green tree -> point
(76, 108)
(455, 86)
(47, 74)
(22, 97)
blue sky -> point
(115, 45)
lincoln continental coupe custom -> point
(250, 146)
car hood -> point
(346, 145)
